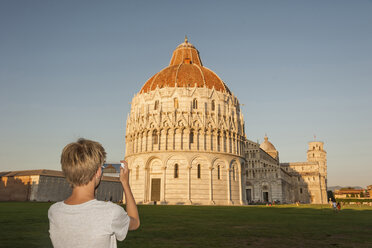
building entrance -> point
(248, 193)
(266, 196)
(155, 189)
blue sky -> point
(69, 69)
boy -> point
(81, 220)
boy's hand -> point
(124, 173)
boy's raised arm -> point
(130, 202)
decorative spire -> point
(185, 50)
(266, 138)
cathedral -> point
(186, 144)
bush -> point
(344, 200)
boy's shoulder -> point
(56, 205)
(106, 204)
(93, 204)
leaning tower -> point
(185, 136)
(316, 153)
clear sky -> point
(69, 69)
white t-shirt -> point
(90, 224)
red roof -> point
(185, 70)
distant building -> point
(49, 185)
(369, 190)
(269, 180)
(349, 193)
(111, 170)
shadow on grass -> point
(210, 226)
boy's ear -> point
(99, 172)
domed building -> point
(186, 144)
(185, 136)
(269, 148)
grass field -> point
(26, 225)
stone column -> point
(151, 146)
(141, 142)
(211, 186)
(177, 139)
(237, 144)
(182, 139)
(228, 185)
(228, 142)
(132, 139)
(233, 143)
(166, 145)
(186, 139)
(204, 132)
(162, 139)
(217, 139)
(197, 133)
(171, 139)
(211, 139)
(136, 140)
(189, 185)
(204, 135)
(146, 179)
(224, 137)
(240, 184)
(242, 145)
(162, 200)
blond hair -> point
(81, 160)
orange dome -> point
(185, 70)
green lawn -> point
(26, 225)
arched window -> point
(155, 137)
(300, 190)
(156, 105)
(175, 101)
(213, 105)
(199, 171)
(234, 174)
(195, 104)
(191, 136)
(176, 171)
(218, 172)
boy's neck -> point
(81, 194)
